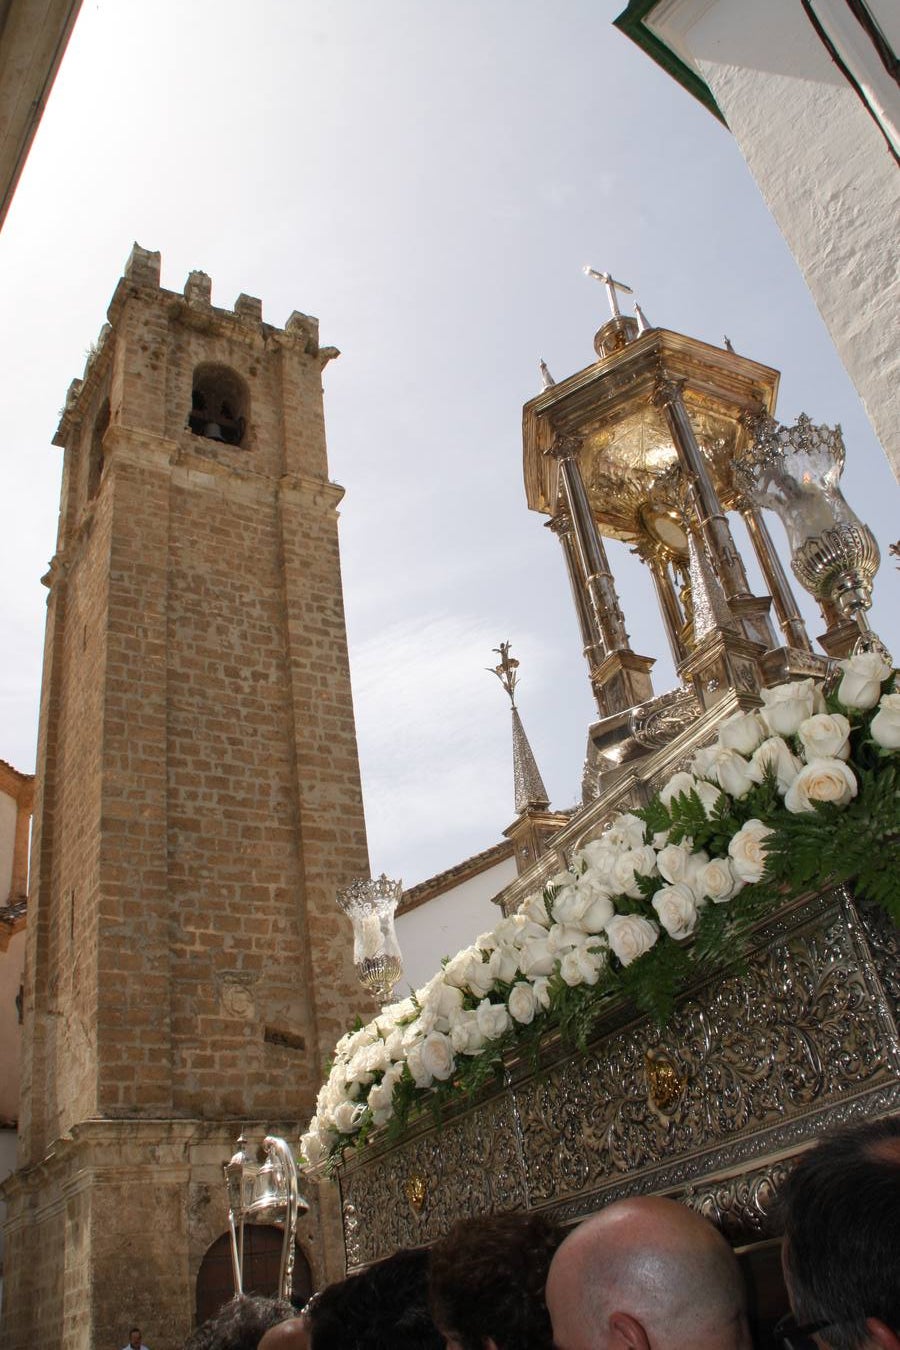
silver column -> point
(598, 579)
(792, 624)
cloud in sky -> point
(429, 180)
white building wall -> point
(444, 925)
(821, 164)
(8, 810)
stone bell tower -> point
(198, 802)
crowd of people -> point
(644, 1273)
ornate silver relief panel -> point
(411, 1194)
(754, 1064)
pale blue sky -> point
(428, 178)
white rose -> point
(357, 1040)
(569, 904)
(382, 1095)
(468, 970)
(677, 909)
(456, 969)
(348, 1116)
(522, 1003)
(679, 784)
(886, 723)
(864, 674)
(535, 909)
(702, 763)
(630, 936)
(376, 1059)
(415, 1062)
(437, 1055)
(625, 831)
(825, 736)
(537, 958)
(541, 987)
(684, 784)
(516, 929)
(466, 1035)
(776, 754)
(562, 936)
(493, 1019)
(678, 862)
(355, 1070)
(637, 862)
(395, 1013)
(599, 854)
(747, 851)
(598, 914)
(717, 881)
(560, 879)
(732, 772)
(787, 705)
(313, 1147)
(439, 1002)
(579, 966)
(709, 796)
(742, 732)
(825, 780)
(504, 964)
(394, 1043)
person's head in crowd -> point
(487, 1282)
(240, 1324)
(294, 1334)
(647, 1273)
(841, 1254)
(382, 1308)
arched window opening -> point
(95, 455)
(262, 1263)
(218, 405)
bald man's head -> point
(647, 1272)
(290, 1335)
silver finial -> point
(643, 322)
(547, 380)
(611, 287)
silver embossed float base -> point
(752, 1067)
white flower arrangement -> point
(755, 817)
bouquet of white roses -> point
(803, 791)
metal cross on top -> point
(611, 287)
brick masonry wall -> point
(198, 803)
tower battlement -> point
(207, 379)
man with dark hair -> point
(647, 1274)
(382, 1308)
(841, 1254)
(240, 1324)
(487, 1283)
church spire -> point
(530, 792)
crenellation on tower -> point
(248, 308)
(143, 267)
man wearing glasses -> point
(841, 1252)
